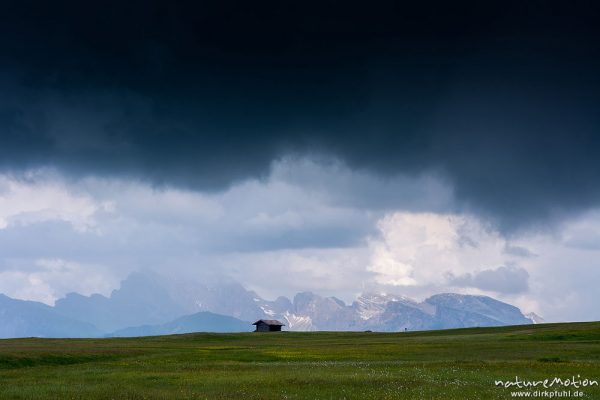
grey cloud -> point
(140, 225)
(339, 185)
(505, 279)
(584, 234)
(519, 251)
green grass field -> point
(452, 364)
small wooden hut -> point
(268, 325)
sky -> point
(333, 147)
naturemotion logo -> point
(574, 382)
(559, 387)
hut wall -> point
(262, 328)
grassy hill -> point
(452, 364)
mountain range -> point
(150, 304)
(202, 321)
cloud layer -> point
(288, 228)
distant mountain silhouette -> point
(142, 299)
(151, 304)
(200, 322)
(19, 318)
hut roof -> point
(270, 322)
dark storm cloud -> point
(500, 99)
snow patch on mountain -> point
(534, 318)
(297, 322)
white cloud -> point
(418, 249)
(24, 202)
(46, 280)
(333, 271)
